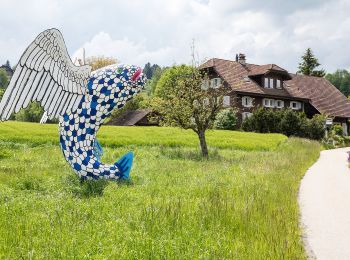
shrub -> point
(248, 124)
(263, 121)
(338, 130)
(226, 119)
(316, 128)
(285, 121)
(293, 123)
(32, 113)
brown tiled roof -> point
(129, 117)
(325, 97)
(236, 75)
(264, 69)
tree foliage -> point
(4, 79)
(309, 64)
(341, 80)
(2, 91)
(149, 69)
(32, 113)
(152, 83)
(97, 62)
(182, 101)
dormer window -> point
(272, 83)
(278, 84)
(266, 82)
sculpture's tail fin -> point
(98, 151)
(124, 165)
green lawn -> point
(240, 204)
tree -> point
(341, 80)
(4, 79)
(2, 91)
(183, 101)
(151, 84)
(32, 113)
(149, 70)
(97, 62)
(308, 65)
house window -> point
(246, 115)
(295, 105)
(278, 84)
(215, 82)
(226, 101)
(266, 82)
(247, 101)
(268, 102)
(279, 103)
(271, 83)
(205, 84)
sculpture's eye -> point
(120, 70)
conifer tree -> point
(309, 63)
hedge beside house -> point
(285, 121)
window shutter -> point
(226, 101)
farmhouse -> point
(274, 87)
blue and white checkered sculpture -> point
(46, 74)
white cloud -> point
(124, 50)
(161, 31)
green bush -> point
(264, 121)
(316, 128)
(293, 123)
(32, 113)
(226, 119)
(285, 121)
(338, 130)
(346, 140)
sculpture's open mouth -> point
(136, 75)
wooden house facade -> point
(271, 86)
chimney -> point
(241, 58)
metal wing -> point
(45, 73)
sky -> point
(162, 31)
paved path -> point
(325, 206)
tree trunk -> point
(203, 143)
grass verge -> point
(241, 204)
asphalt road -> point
(324, 200)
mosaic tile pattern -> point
(108, 88)
(80, 99)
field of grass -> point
(240, 204)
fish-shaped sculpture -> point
(79, 98)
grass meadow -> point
(240, 204)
